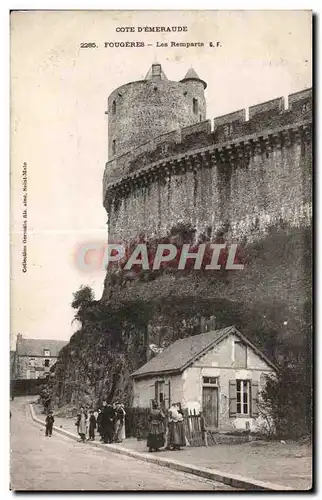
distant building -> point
(35, 357)
(220, 373)
(12, 361)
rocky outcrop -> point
(269, 301)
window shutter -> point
(167, 395)
(156, 395)
(254, 399)
(232, 398)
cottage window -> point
(243, 398)
(195, 106)
(46, 352)
(240, 355)
(46, 362)
(210, 381)
(159, 391)
(32, 362)
(162, 393)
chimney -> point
(208, 325)
(212, 323)
(156, 71)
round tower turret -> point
(142, 110)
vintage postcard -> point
(161, 276)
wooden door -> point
(210, 406)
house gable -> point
(224, 355)
(185, 352)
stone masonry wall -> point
(249, 181)
(172, 142)
(251, 197)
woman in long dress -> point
(156, 428)
(82, 425)
(119, 422)
(176, 434)
(122, 431)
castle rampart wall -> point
(264, 116)
(244, 178)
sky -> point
(59, 95)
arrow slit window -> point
(195, 106)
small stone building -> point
(34, 357)
(220, 373)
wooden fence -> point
(137, 425)
(136, 422)
(194, 427)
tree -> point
(83, 299)
(289, 399)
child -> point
(92, 426)
(49, 424)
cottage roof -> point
(182, 353)
(36, 347)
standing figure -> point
(176, 435)
(108, 422)
(82, 425)
(122, 430)
(77, 422)
(119, 423)
(156, 428)
(87, 420)
(92, 426)
(49, 424)
(99, 423)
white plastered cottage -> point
(220, 373)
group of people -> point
(109, 421)
(171, 436)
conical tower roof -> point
(192, 75)
(155, 72)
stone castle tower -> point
(169, 165)
(142, 110)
